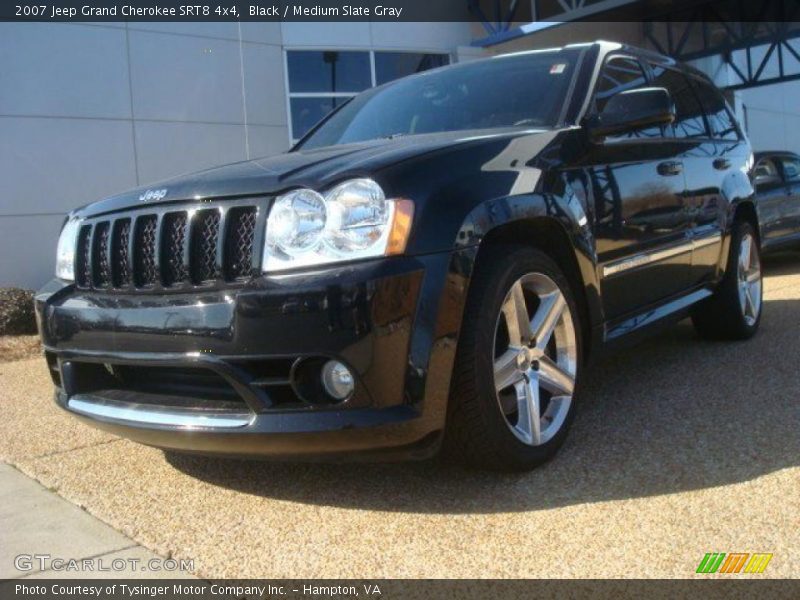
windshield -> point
(524, 90)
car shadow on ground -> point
(672, 414)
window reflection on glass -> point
(307, 112)
(722, 124)
(618, 75)
(321, 80)
(689, 122)
(328, 71)
(394, 65)
(527, 91)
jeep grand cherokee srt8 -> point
(428, 268)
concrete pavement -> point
(681, 447)
(38, 527)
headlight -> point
(354, 220)
(296, 222)
(65, 253)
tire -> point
(490, 429)
(734, 311)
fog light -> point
(337, 380)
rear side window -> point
(723, 125)
(766, 173)
(689, 121)
(791, 168)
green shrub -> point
(16, 312)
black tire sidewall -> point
(744, 329)
(504, 271)
(721, 317)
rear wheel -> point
(517, 366)
(734, 311)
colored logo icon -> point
(736, 562)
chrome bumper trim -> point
(149, 415)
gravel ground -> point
(18, 347)
(681, 447)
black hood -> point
(316, 169)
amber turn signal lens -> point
(401, 227)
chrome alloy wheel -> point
(748, 278)
(535, 359)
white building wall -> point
(444, 37)
(772, 114)
(90, 110)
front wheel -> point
(734, 311)
(517, 365)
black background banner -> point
(233, 10)
(491, 11)
(450, 589)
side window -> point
(618, 74)
(766, 173)
(791, 168)
(720, 119)
(689, 122)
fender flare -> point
(564, 212)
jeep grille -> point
(171, 249)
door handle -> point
(721, 164)
(669, 168)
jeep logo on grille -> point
(153, 195)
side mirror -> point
(631, 110)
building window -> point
(328, 72)
(319, 81)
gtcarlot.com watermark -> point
(48, 562)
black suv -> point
(429, 267)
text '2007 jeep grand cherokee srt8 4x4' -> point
(427, 268)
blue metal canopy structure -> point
(759, 40)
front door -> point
(717, 167)
(637, 183)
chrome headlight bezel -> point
(65, 249)
(359, 222)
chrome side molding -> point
(706, 241)
(646, 258)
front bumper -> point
(227, 371)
